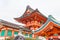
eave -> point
(50, 19)
(12, 25)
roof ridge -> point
(36, 10)
(27, 8)
(54, 20)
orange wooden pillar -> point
(34, 36)
(13, 33)
(6, 33)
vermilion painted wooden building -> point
(8, 29)
(32, 18)
(39, 24)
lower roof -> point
(13, 25)
(50, 19)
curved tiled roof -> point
(50, 18)
(13, 25)
(54, 20)
(27, 8)
(31, 12)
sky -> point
(10, 9)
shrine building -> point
(8, 29)
(39, 23)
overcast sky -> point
(10, 9)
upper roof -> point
(13, 25)
(50, 18)
(28, 8)
(39, 13)
(28, 14)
